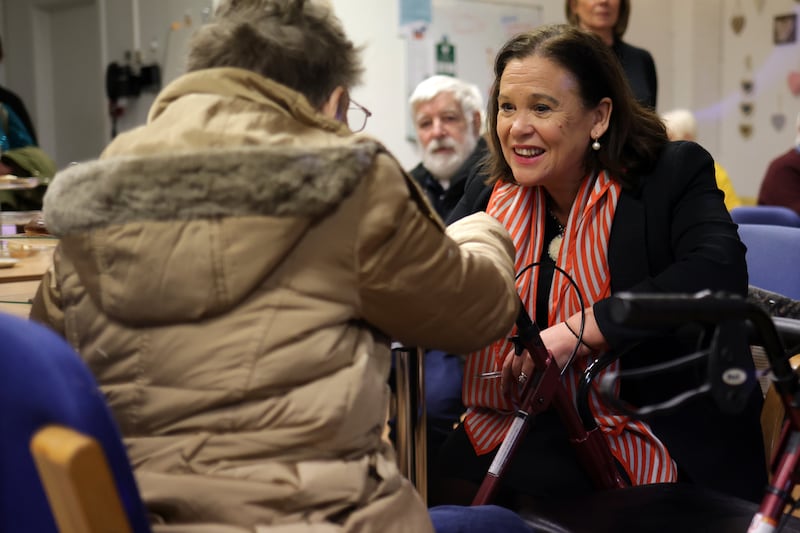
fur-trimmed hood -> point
(215, 223)
(284, 182)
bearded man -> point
(447, 116)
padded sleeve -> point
(423, 287)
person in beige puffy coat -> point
(233, 273)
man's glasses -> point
(357, 116)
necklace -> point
(555, 243)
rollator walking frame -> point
(541, 391)
(729, 314)
(729, 317)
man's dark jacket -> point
(444, 201)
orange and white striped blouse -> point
(583, 255)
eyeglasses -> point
(357, 116)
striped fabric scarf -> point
(583, 254)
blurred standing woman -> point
(608, 19)
(586, 179)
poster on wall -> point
(462, 39)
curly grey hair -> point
(466, 94)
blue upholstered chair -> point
(774, 215)
(44, 384)
(481, 519)
(773, 257)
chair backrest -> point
(43, 382)
(411, 440)
(774, 215)
(78, 482)
(773, 257)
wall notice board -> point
(462, 39)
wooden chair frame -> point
(78, 482)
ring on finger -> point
(523, 377)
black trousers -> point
(545, 466)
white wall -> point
(384, 85)
(53, 63)
(700, 63)
(78, 116)
(746, 159)
(159, 30)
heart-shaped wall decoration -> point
(746, 107)
(746, 130)
(778, 121)
(747, 86)
(737, 23)
(793, 79)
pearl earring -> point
(596, 145)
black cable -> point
(580, 300)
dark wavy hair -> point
(622, 17)
(635, 134)
(298, 43)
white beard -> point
(443, 166)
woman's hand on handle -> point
(516, 371)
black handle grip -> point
(728, 314)
(642, 309)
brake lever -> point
(608, 385)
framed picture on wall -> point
(784, 29)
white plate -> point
(8, 262)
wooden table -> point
(18, 283)
(15, 297)
(28, 269)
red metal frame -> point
(785, 464)
(542, 390)
(708, 308)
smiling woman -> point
(543, 125)
(573, 152)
